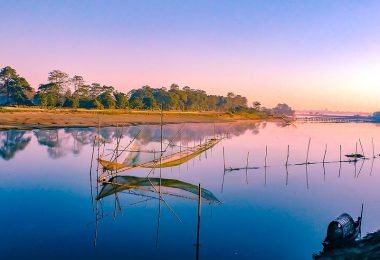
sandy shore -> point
(30, 118)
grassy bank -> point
(29, 118)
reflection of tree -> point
(81, 136)
(71, 140)
(194, 132)
(12, 141)
(54, 142)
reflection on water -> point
(60, 142)
(11, 142)
(273, 212)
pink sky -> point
(311, 56)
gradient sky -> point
(311, 54)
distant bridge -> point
(338, 119)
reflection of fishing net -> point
(172, 187)
(133, 154)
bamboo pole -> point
(247, 161)
(199, 218)
(361, 146)
(117, 142)
(307, 154)
(324, 156)
(287, 175)
(158, 223)
(92, 158)
(287, 157)
(246, 169)
(340, 159)
(266, 154)
(373, 149)
(160, 148)
(224, 160)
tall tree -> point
(77, 82)
(121, 100)
(16, 88)
(107, 100)
(61, 80)
(48, 94)
(21, 92)
(7, 77)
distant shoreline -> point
(35, 118)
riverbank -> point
(30, 118)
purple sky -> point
(312, 54)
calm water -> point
(272, 213)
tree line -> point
(61, 90)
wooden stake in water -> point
(287, 157)
(373, 149)
(361, 147)
(340, 159)
(246, 169)
(324, 156)
(266, 154)
(117, 142)
(199, 217)
(92, 158)
(308, 149)
(224, 160)
(161, 151)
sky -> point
(311, 54)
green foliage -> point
(107, 100)
(97, 104)
(71, 102)
(121, 100)
(16, 89)
(48, 95)
(61, 90)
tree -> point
(19, 91)
(77, 82)
(96, 104)
(107, 100)
(61, 81)
(48, 94)
(256, 105)
(283, 109)
(16, 89)
(121, 100)
(7, 76)
(95, 90)
(148, 102)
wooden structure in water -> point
(112, 168)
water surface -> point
(267, 213)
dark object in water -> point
(355, 155)
(342, 231)
(366, 248)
